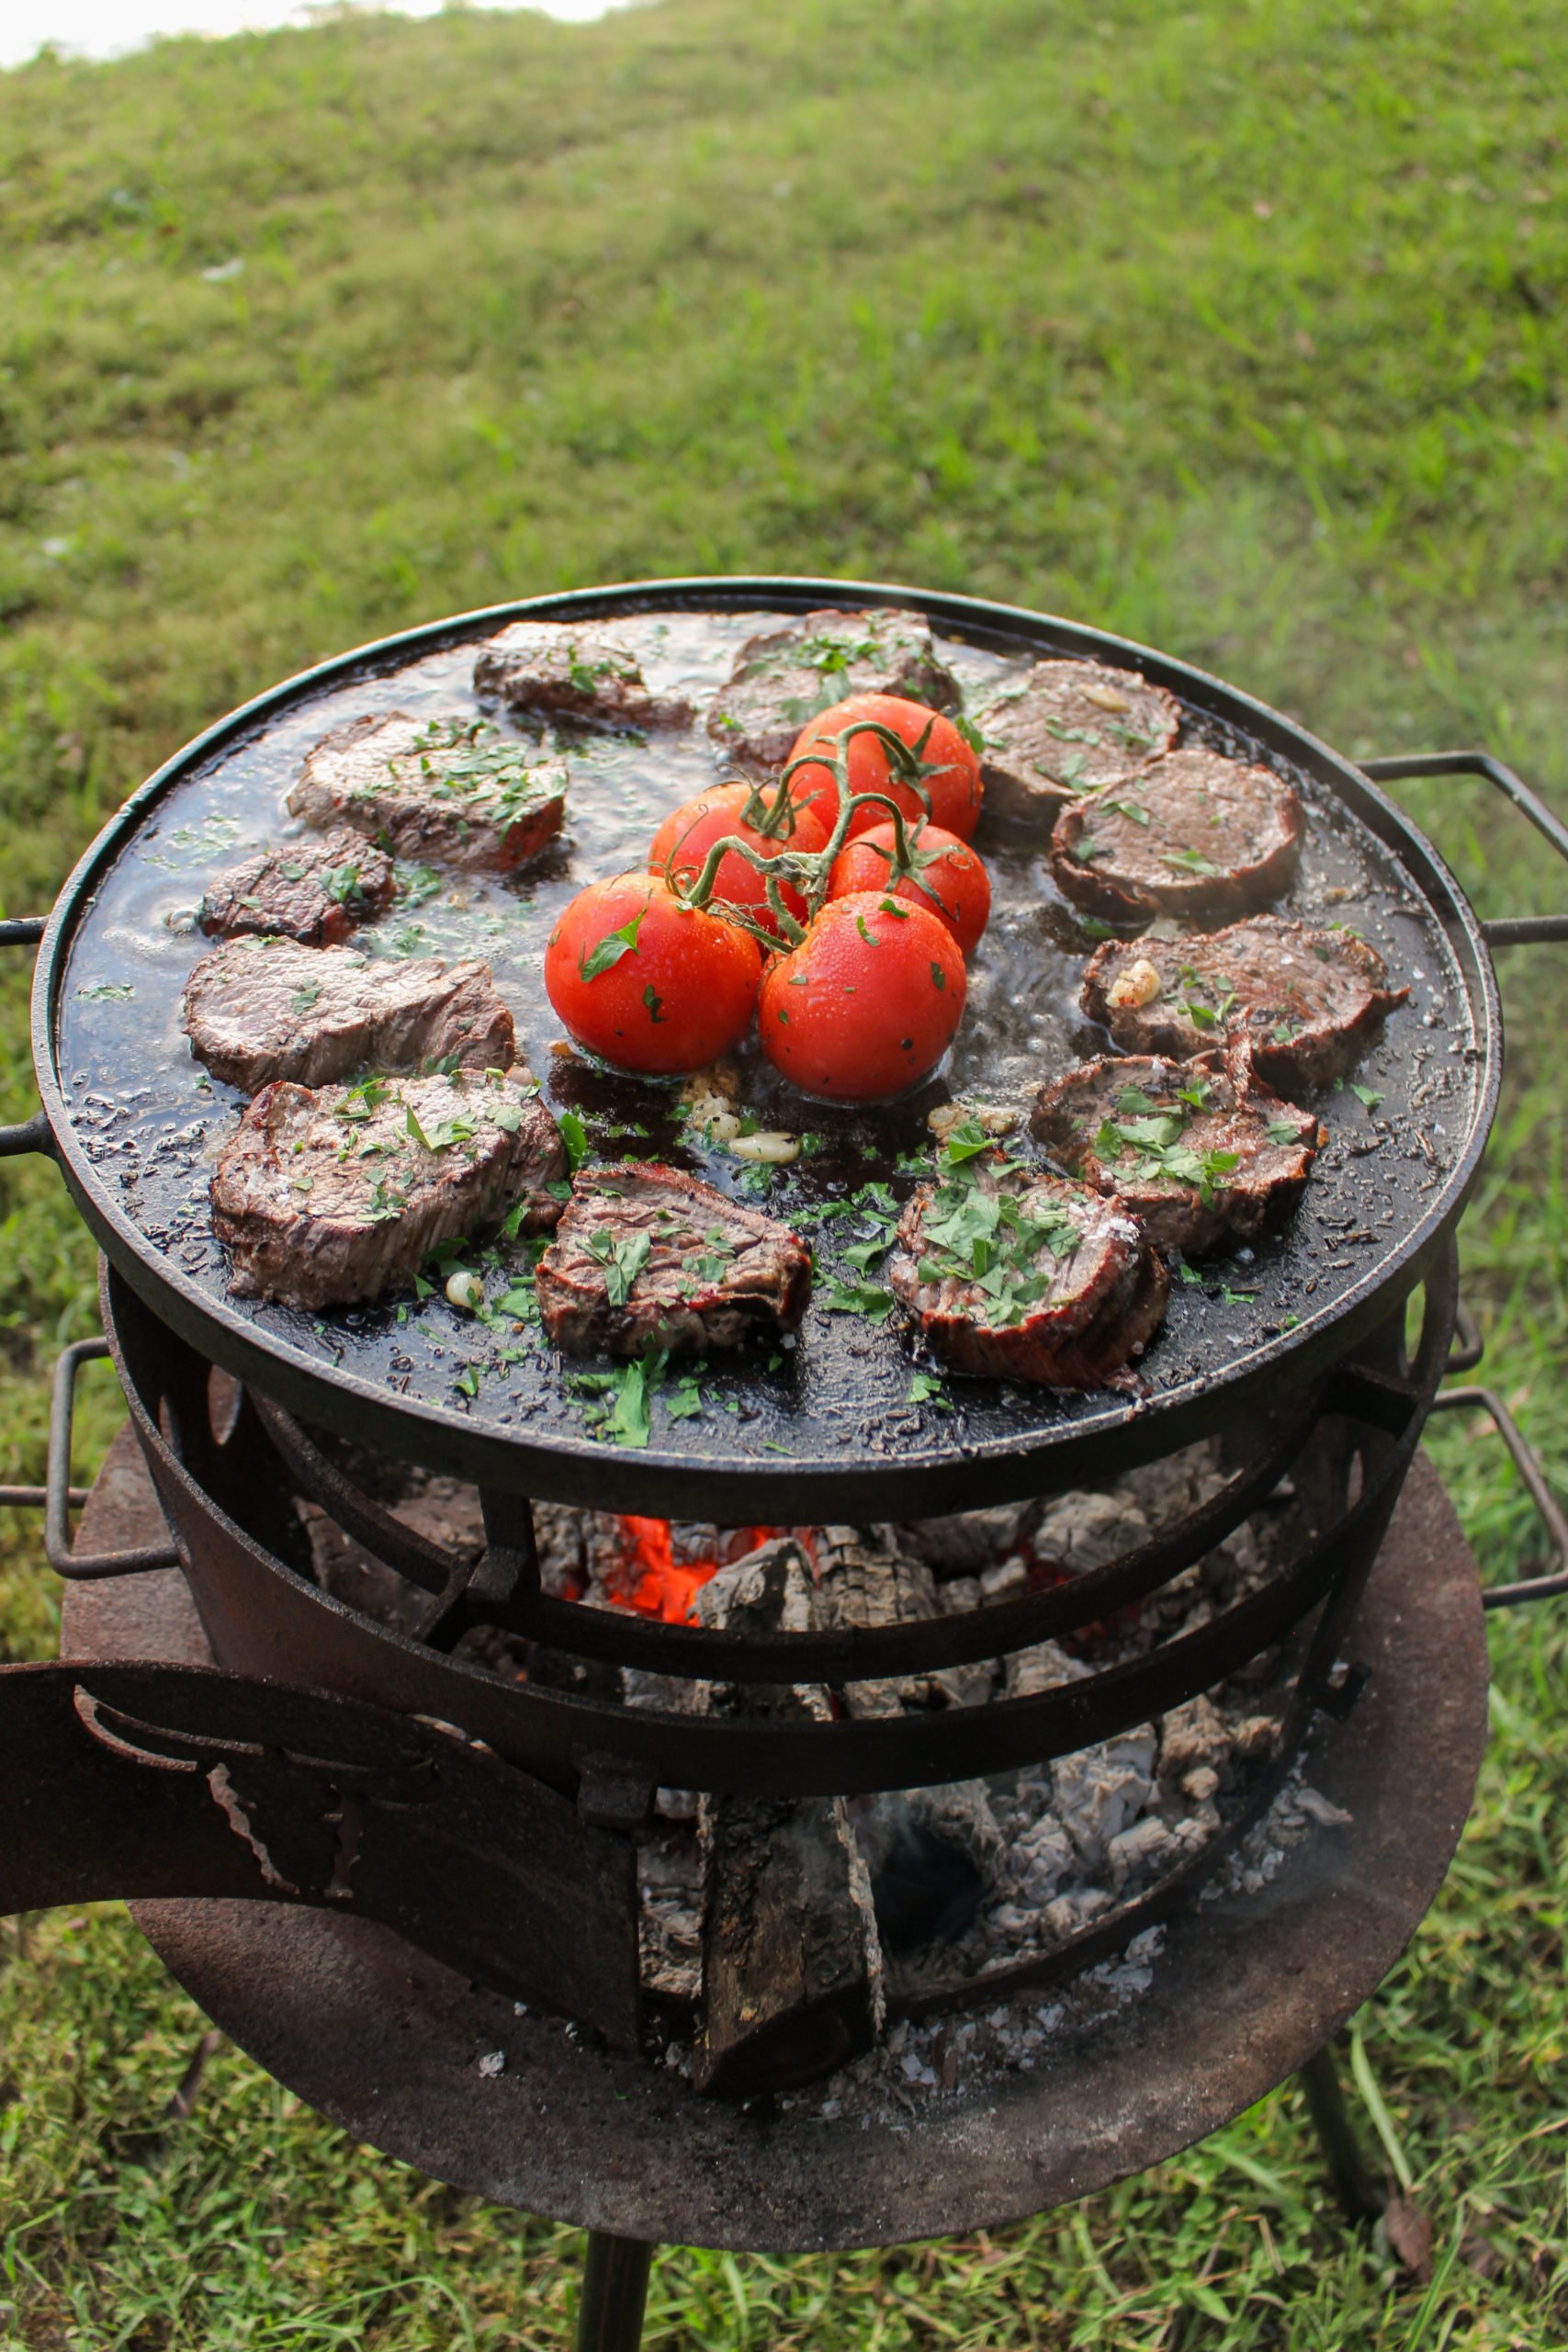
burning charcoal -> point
(792, 1984)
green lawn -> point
(1240, 329)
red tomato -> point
(683, 841)
(950, 774)
(866, 1005)
(949, 878)
(647, 983)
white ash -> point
(1298, 1812)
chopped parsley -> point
(613, 946)
(574, 1135)
(623, 1262)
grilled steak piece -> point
(648, 1258)
(784, 676)
(560, 671)
(259, 1008)
(312, 891)
(1012, 1271)
(1309, 1001)
(1196, 834)
(455, 790)
(1201, 1151)
(326, 1197)
(1070, 727)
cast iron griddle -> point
(829, 1424)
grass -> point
(1239, 329)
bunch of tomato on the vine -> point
(836, 906)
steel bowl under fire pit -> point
(427, 1723)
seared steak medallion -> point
(1008, 1271)
(259, 1008)
(784, 676)
(1309, 1001)
(327, 1197)
(1195, 835)
(648, 1258)
(312, 891)
(1070, 727)
(558, 670)
(1199, 1150)
(455, 790)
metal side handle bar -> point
(1510, 930)
(81, 1568)
(1548, 1509)
(25, 1135)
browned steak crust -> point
(1199, 1151)
(646, 1257)
(1310, 1001)
(1015, 1272)
(258, 1009)
(323, 1198)
(560, 671)
(312, 891)
(1070, 727)
(455, 790)
(784, 676)
(1197, 835)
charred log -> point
(791, 1962)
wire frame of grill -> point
(229, 1503)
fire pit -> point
(838, 1773)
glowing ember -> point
(650, 1578)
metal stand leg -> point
(615, 2293)
(1360, 2192)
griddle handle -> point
(80, 1567)
(1510, 931)
(34, 1134)
(1549, 1511)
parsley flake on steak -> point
(1201, 1151)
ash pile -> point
(788, 1943)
